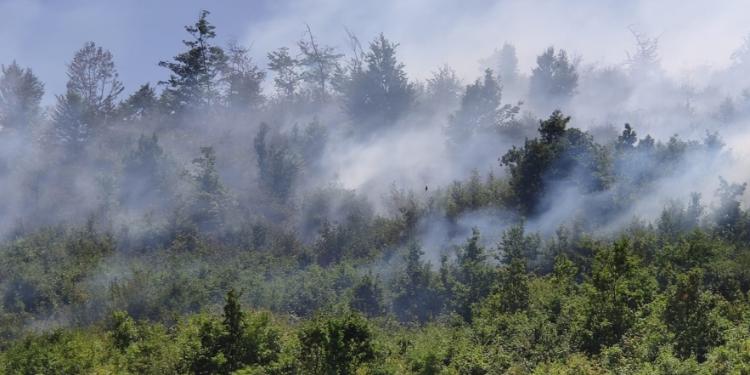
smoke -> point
(315, 170)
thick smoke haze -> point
(418, 123)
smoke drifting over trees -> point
(538, 220)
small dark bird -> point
(425, 188)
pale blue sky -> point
(43, 34)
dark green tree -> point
(367, 296)
(336, 345)
(124, 331)
(517, 250)
(194, 79)
(378, 93)
(234, 324)
(728, 215)
(71, 121)
(140, 105)
(628, 139)
(480, 110)
(618, 288)
(689, 316)
(237, 341)
(529, 165)
(555, 156)
(416, 298)
(471, 279)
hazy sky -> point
(44, 34)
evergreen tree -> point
(627, 140)
(235, 342)
(379, 93)
(416, 298)
(278, 164)
(20, 95)
(143, 182)
(517, 251)
(194, 79)
(553, 80)
(140, 105)
(235, 330)
(71, 122)
(243, 79)
(480, 110)
(505, 62)
(728, 215)
(470, 281)
(367, 296)
(528, 165)
(285, 68)
(211, 199)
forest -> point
(322, 212)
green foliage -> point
(517, 249)
(470, 280)
(475, 194)
(559, 154)
(236, 341)
(140, 105)
(480, 110)
(123, 329)
(379, 92)
(211, 201)
(689, 315)
(618, 288)
(46, 270)
(416, 297)
(278, 164)
(194, 74)
(72, 123)
(59, 352)
(367, 296)
(336, 345)
(117, 251)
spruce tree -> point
(194, 79)
(20, 95)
